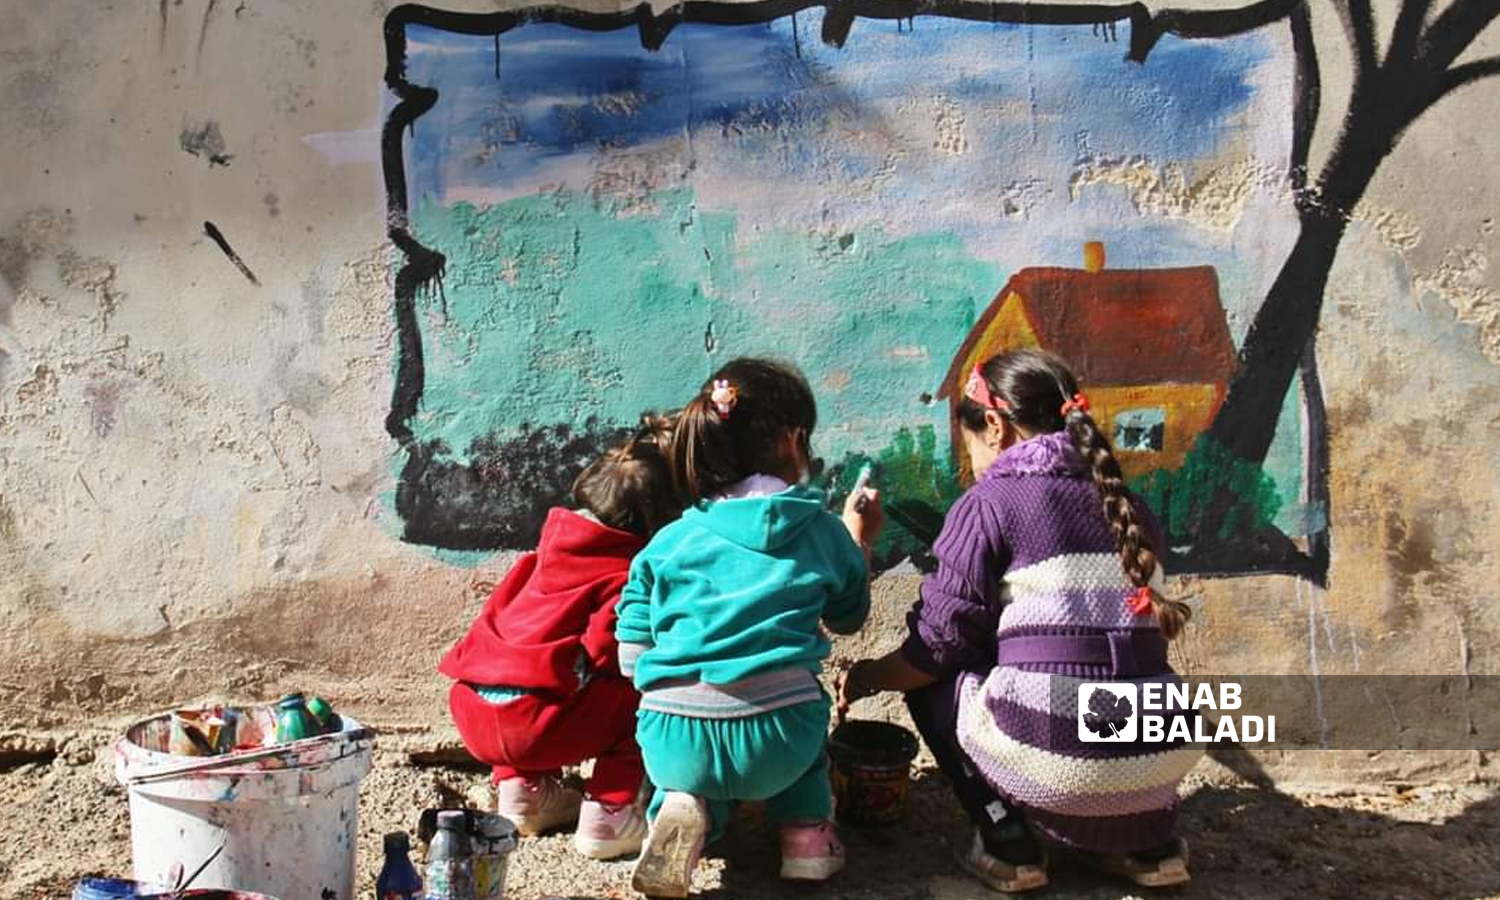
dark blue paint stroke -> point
(560, 93)
(558, 89)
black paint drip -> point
(217, 236)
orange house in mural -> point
(1151, 347)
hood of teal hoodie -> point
(760, 523)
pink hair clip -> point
(1139, 601)
(724, 396)
(978, 390)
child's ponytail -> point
(698, 440)
(736, 425)
(1134, 548)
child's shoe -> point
(537, 805)
(1017, 863)
(810, 851)
(606, 831)
(665, 868)
(1165, 866)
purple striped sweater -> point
(1027, 552)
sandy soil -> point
(67, 818)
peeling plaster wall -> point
(196, 483)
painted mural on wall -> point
(595, 211)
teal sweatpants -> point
(777, 756)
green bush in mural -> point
(917, 484)
(1181, 498)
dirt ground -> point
(67, 818)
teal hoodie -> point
(737, 587)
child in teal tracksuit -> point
(718, 625)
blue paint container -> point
(114, 889)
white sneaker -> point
(1000, 875)
(665, 868)
(537, 805)
(606, 831)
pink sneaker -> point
(537, 805)
(665, 868)
(606, 831)
(810, 851)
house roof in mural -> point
(1119, 326)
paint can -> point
(493, 839)
(871, 771)
(286, 815)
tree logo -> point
(1107, 712)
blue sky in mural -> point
(553, 94)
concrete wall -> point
(250, 445)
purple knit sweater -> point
(1036, 502)
(1027, 553)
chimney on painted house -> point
(1093, 256)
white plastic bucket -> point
(286, 816)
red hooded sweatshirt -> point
(555, 607)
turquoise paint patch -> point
(1286, 461)
(559, 309)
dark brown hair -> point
(630, 486)
(709, 451)
(1034, 385)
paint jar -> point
(871, 771)
(494, 837)
(328, 720)
(293, 721)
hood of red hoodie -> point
(553, 604)
(575, 550)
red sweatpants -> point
(536, 735)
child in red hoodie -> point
(538, 683)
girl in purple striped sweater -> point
(1047, 578)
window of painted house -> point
(1141, 429)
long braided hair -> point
(1039, 393)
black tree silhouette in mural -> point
(1418, 68)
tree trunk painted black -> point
(1285, 324)
(1288, 318)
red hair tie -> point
(1139, 601)
(1079, 403)
(978, 390)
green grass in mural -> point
(1180, 497)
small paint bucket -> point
(871, 771)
